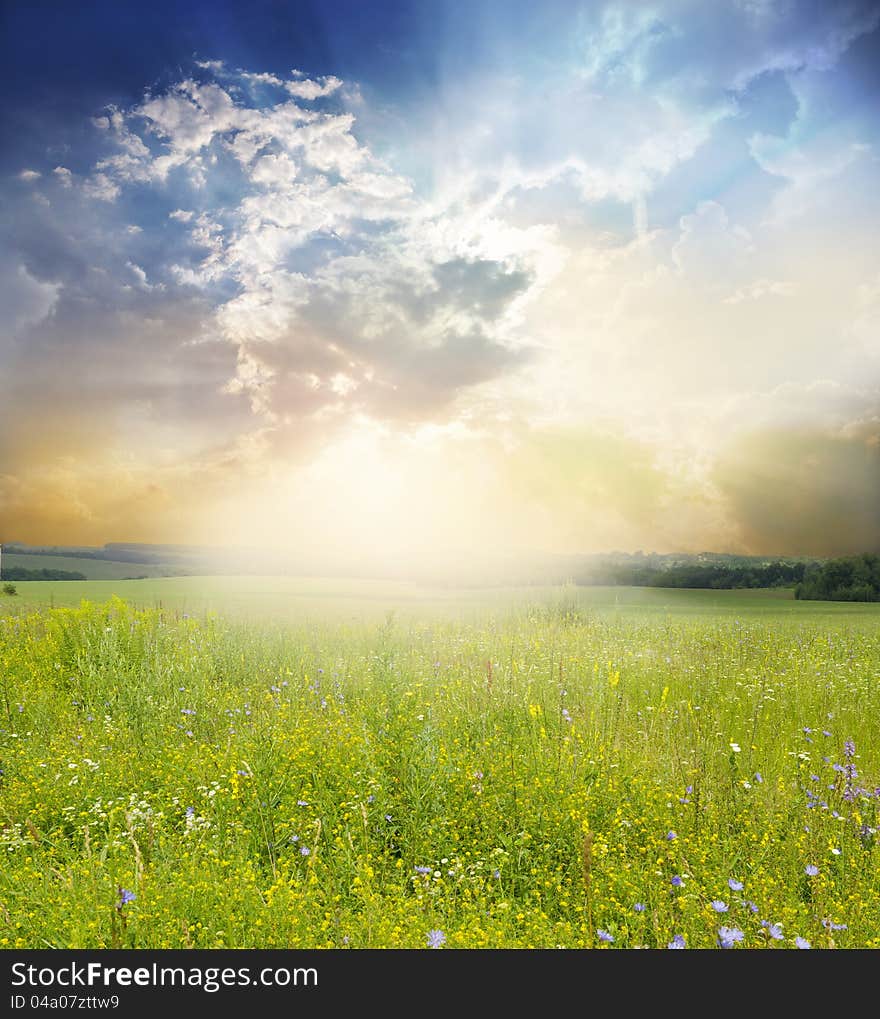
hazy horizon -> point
(445, 282)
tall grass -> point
(524, 781)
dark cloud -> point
(803, 492)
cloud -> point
(26, 301)
(804, 492)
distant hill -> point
(122, 561)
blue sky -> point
(322, 267)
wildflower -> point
(677, 942)
(671, 836)
(735, 747)
(302, 803)
(422, 870)
(849, 749)
(677, 882)
(388, 817)
(187, 711)
(436, 939)
(729, 936)
(802, 942)
(719, 906)
(305, 851)
(566, 715)
(190, 811)
(775, 931)
(734, 885)
(825, 732)
(604, 936)
(759, 777)
(752, 906)
(125, 896)
(639, 907)
(811, 870)
(830, 926)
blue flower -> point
(831, 926)
(125, 896)
(719, 906)
(734, 885)
(639, 907)
(677, 881)
(677, 942)
(304, 850)
(604, 935)
(436, 939)
(670, 836)
(811, 870)
(422, 870)
(775, 931)
(729, 936)
(802, 942)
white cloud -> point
(25, 300)
(29, 175)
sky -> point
(408, 282)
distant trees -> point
(20, 573)
(717, 576)
(854, 578)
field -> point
(93, 569)
(258, 762)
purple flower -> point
(802, 942)
(305, 851)
(775, 931)
(677, 881)
(302, 803)
(677, 942)
(190, 811)
(604, 936)
(729, 936)
(125, 896)
(753, 906)
(811, 870)
(670, 836)
(758, 777)
(639, 907)
(734, 885)
(422, 870)
(187, 711)
(436, 939)
(849, 749)
(831, 926)
(825, 732)
(719, 906)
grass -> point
(524, 771)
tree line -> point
(853, 578)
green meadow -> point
(267, 762)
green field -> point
(295, 599)
(267, 762)
(93, 569)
